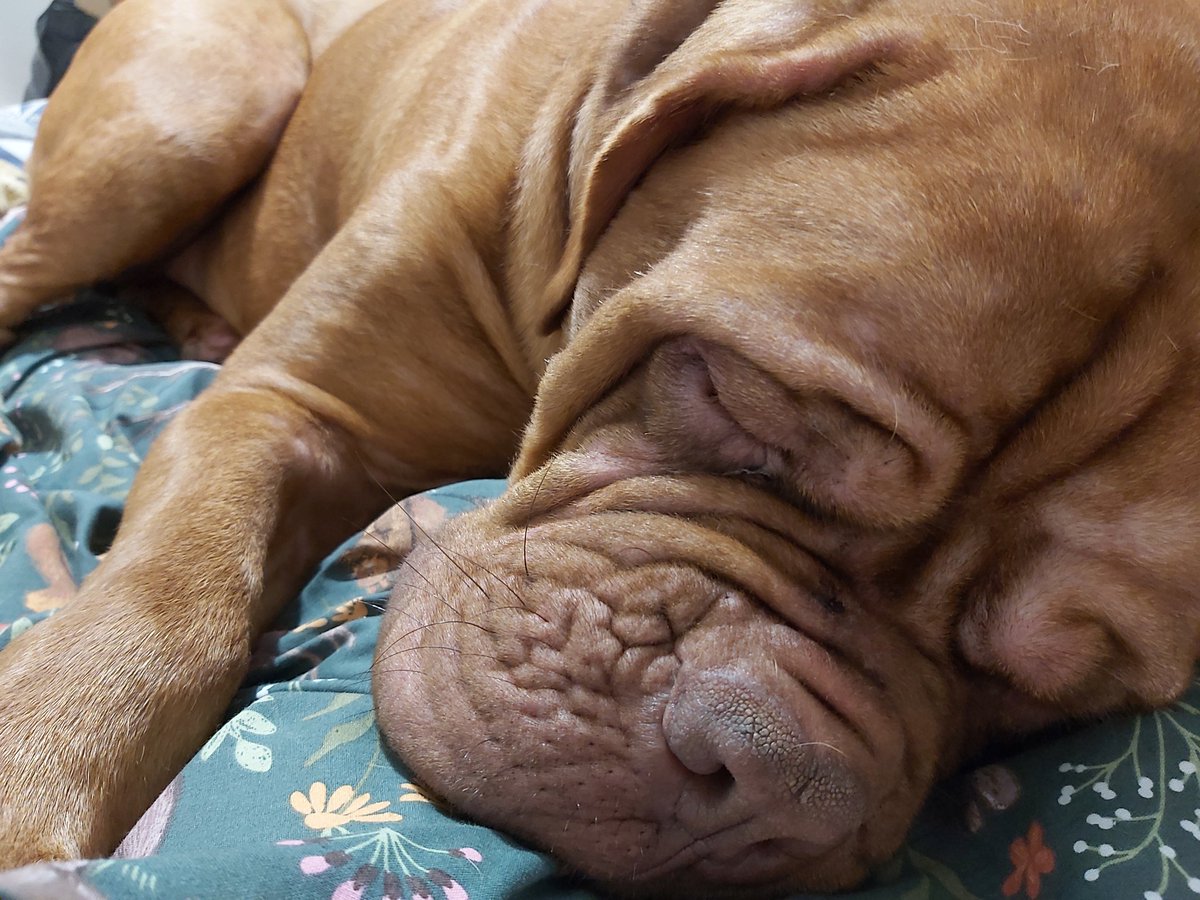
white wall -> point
(17, 42)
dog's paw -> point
(22, 844)
(208, 340)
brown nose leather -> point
(728, 728)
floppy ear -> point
(676, 64)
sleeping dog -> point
(846, 351)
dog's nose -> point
(756, 763)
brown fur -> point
(871, 418)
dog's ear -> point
(1085, 592)
(675, 64)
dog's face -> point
(877, 437)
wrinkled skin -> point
(847, 470)
(860, 339)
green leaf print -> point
(343, 734)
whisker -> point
(828, 746)
(382, 543)
(424, 533)
(508, 587)
(455, 621)
(441, 596)
(392, 649)
(454, 650)
(452, 557)
(362, 675)
(529, 519)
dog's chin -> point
(666, 710)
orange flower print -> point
(413, 794)
(346, 612)
(1031, 860)
(323, 811)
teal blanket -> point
(295, 797)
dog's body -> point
(881, 325)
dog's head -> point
(876, 437)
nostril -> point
(721, 780)
(757, 759)
(690, 740)
(717, 726)
(716, 787)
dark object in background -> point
(60, 29)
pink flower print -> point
(316, 864)
(366, 875)
(353, 889)
(393, 887)
(451, 888)
(419, 888)
(468, 853)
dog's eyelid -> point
(770, 477)
(752, 473)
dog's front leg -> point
(104, 702)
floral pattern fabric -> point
(295, 796)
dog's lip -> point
(738, 853)
(722, 857)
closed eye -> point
(758, 476)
